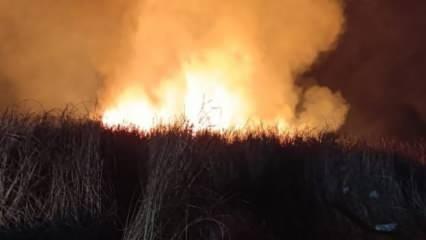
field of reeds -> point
(67, 177)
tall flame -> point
(224, 66)
(209, 97)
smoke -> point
(255, 48)
(59, 52)
(322, 108)
(379, 65)
(54, 52)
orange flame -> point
(226, 65)
(210, 98)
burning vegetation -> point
(220, 64)
(227, 64)
(205, 126)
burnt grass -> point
(64, 177)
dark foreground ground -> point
(67, 178)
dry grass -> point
(50, 170)
(172, 183)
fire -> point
(209, 98)
(224, 65)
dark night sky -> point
(380, 67)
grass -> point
(67, 177)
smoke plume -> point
(59, 52)
(54, 52)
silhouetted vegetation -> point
(64, 177)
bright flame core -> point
(209, 99)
